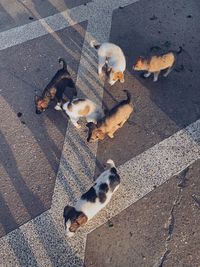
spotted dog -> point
(91, 202)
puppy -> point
(91, 202)
(112, 121)
(55, 89)
(78, 108)
(111, 55)
(157, 63)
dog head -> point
(40, 105)
(140, 64)
(73, 219)
(94, 132)
(116, 76)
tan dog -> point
(112, 121)
(157, 63)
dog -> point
(79, 107)
(55, 89)
(113, 57)
(112, 121)
(157, 63)
(91, 202)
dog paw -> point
(57, 107)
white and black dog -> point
(94, 200)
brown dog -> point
(55, 89)
(156, 64)
(112, 121)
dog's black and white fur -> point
(83, 107)
(56, 89)
(91, 202)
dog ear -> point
(141, 59)
(67, 209)
(91, 125)
(67, 213)
(99, 122)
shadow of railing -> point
(34, 206)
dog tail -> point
(64, 63)
(180, 50)
(111, 163)
(177, 52)
(93, 44)
(128, 100)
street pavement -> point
(46, 163)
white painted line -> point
(34, 30)
(58, 21)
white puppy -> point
(78, 108)
(91, 202)
(113, 56)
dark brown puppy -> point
(55, 89)
(112, 121)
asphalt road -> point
(153, 146)
(31, 144)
